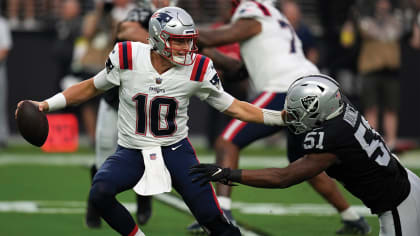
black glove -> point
(215, 173)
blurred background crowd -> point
(372, 47)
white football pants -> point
(405, 220)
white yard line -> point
(409, 161)
(79, 207)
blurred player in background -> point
(274, 58)
(133, 28)
(232, 72)
(333, 136)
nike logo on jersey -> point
(217, 172)
(175, 148)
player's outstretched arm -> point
(297, 172)
(238, 31)
(73, 95)
(250, 113)
(81, 92)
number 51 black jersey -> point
(365, 165)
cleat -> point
(355, 227)
(196, 229)
(144, 209)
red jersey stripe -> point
(121, 56)
(129, 55)
(263, 9)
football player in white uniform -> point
(133, 28)
(274, 58)
(333, 136)
(154, 154)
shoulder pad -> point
(125, 55)
(200, 67)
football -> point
(32, 123)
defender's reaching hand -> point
(215, 173)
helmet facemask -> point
(299, 120)
(183, 57)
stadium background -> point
(32, 72)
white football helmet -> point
(173, 23)
(310, 101)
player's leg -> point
(328, 189)
(407, 214)
(120, 172)
(105, 145)
(144, 209)
(201, 200)
(405, 219)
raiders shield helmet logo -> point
(310, 103)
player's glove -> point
(215, 173)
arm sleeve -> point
(220, 101)
(100, 81)
(211, 90)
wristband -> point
(272, 117)
(235, 175)
(56, 102)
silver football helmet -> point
(173, 23)
(310, 101)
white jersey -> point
(274, 57)
(153, 107)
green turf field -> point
(44, 194)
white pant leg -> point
(408, 213)
(106, 132)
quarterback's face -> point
(181, 46)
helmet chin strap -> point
(335, 113)
(178, 59)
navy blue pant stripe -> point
(397, 222)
